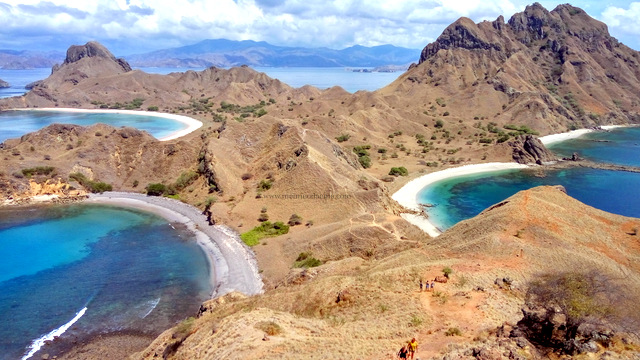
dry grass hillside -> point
(365, 309)
(476, 88)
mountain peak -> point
(93, 49)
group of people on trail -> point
(427, 286)
(409, 350)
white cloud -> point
(625, 20)
(145, 24)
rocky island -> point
(4, 84)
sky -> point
(137, 26)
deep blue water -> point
(130, 269)
(14, 124)
(18, 79)
(617, 192)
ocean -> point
(81, 270)
(461, 198)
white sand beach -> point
(407, 196)
(192, 124)
(551, 139)
(232, 264)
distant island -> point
(4, 84)
(228, 53)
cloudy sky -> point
(135, 26)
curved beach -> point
(192, 124)
(407, 196)
(233, 266)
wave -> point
(152, 304)
(39, 342)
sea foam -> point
(39, 342)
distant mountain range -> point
(26, 59)
(226, 53)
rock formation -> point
(528, 149)
(4, 84)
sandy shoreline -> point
(407, 196)
(551, 139)
(233, 266)
(192, 124)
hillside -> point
(28, 59)
(355, 308)
(227, 53)
(477, 89)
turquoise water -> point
(464, 197)
(14, 124)
(618, 146)
(131, 270)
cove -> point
(77, 271)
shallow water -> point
(130, 269)
(14, 124)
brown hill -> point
(546, 70)
(354, 308)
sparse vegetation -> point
(343, 138)
(38, 170)
(453, 331)
(294, 220)
(266, 229)
(447, 271)
(156, 189)
(399, 171)
(305, 260)
(269, 327)
(92, 186)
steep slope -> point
(547, 70)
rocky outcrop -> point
(93, 49)
(529, 149)
(4, 84)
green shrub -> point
(365, 161)
(152, 108)
(38, 170)
(266, 229)
(447, 271)
(343, 138)
(156, 189)
(305, 260)
(92, 186)
(382, 151)
(265, 184)
(402, 171)
(439, 123)
(186, 178)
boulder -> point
(4, 84)
(527, 149)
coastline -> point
(555, 138)
(233, 266)
(191, 123)
(407, 196)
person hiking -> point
(413, 347)
(421, 285)
(433, 283)
(402, 354)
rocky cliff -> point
(549, 70)
(4, 84)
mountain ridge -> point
(226, 53)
